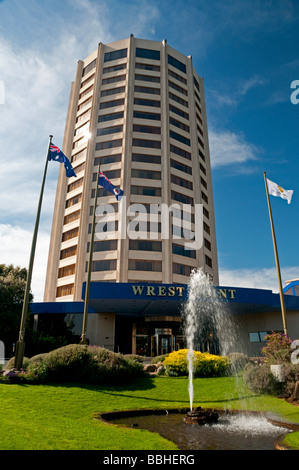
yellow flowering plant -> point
(205, 364)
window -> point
(145, 89)
(196, 83)
(147, 78)
(70, 234)
(145, 191)
(118, 78)
(83, 116)
(67, 271)
(154, 68)
(202, 168)
(137, 157)
(178, 88)
(144, 265)
(115, 55)
(258, 336)
(71, 217)
(78, 155)
(103, 265)
(146, 143)
(103, 245)
(180, 138)
(201, 155)
(111, 104)
(114, 68)
(147, 174)
(178, 111)
(85, 92)
(145, 245)
(89, 67)
(107, 159)
(207, 244)
(110, 174)
(206, 212)
(204, 197)
(182, 198)
(204, 183)
(82, 129)
(179, 124)
(110, 130)
(109, 145)
(200, 142)
(75, 185)
(147, 53)
(111, 117)
(85, 103)
(74, 200)
(176, 63)
(208, 261)
(72, 251)
(178, 100)
(113, 91)
(180, 250)
(177, 77)
(180, 166)
(181, 182)
(206, 228)
(180, 152)
(151, 116)
(65, 290)
(145, 102)
(146, 129)
(181, 269)
(88, 80)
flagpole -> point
(282, 302)
(86, 300)
(20, 346)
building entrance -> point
(162, 342)
(157, 340)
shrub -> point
(277, 349)
(237, 361)
(83, 364)
(205, 364)
(259, 379)
(291, 376)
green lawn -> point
(42, 417)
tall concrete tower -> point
(137, 108)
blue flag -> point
(103, 181)
(56, 154)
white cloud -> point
(15, 245)
(228, 148)
(258, 278)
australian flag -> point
(56, 154)
(103, 181)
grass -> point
(62, 417)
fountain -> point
(200, 416)
(226, 430)
(203, 312)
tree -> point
(12, 288)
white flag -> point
(276, 190)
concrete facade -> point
(137, 108)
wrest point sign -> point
(174, 291)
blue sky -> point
(247, 52)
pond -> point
(233, 431)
